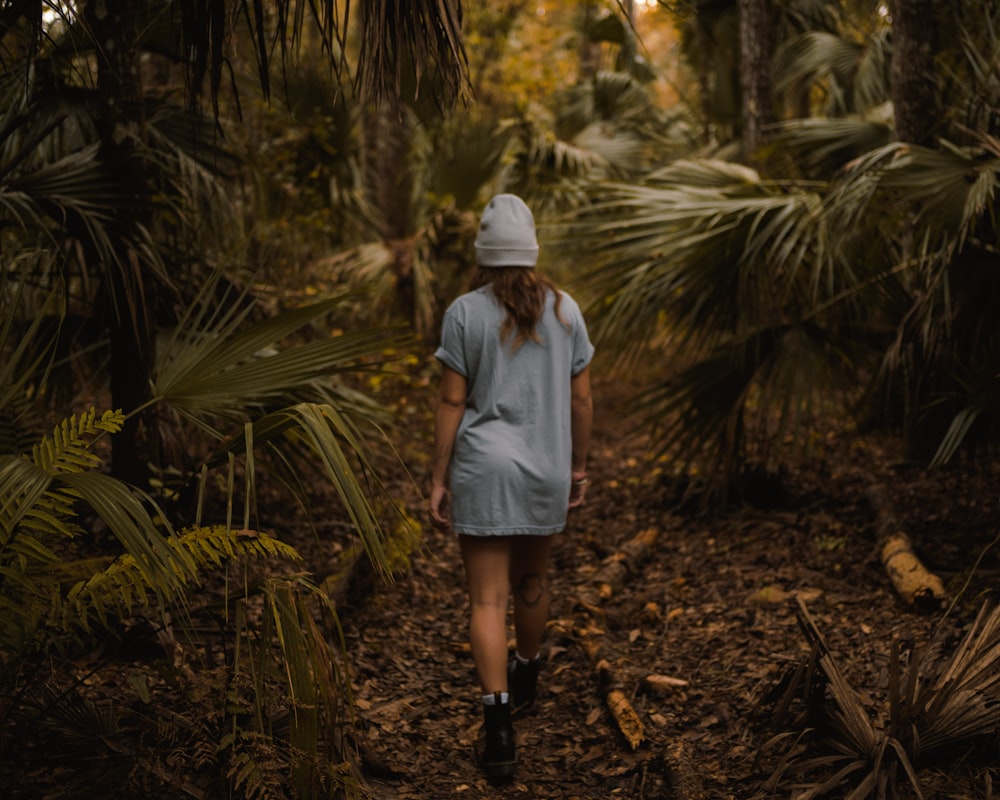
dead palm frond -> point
(951, 703)
(937, 708)
(416, 43)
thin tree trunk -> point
(590, 52)
(914, 91)
(132, 344)
(755, 72)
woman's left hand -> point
(578, 489)
(440, 516)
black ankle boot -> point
(499, 759)
(522, 681)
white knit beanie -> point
(506, 234)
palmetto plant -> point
(731, 273)
(766, 295)
(938, 707)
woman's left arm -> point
(448, 416)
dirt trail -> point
(714, 606)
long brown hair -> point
(521, 291)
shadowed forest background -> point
(228, 231)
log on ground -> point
(612, 575)
(918, 586)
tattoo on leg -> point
(531, 589)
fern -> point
(68, 449)
(122, 586)
(41, 590)
(252, 761)
(48, 597)
(29, 501)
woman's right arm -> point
(582, 415)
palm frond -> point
(27, 355)
(416, 45)
(947, 190)
(815, 56)
(330, 437)
(711, 261)
(937, 707)
(854, 78)
(871, 80)
(825, 145)
(216, 366)
(958, 700)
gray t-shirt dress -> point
(511, 464)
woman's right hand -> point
(440, 516)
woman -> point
(512, 433)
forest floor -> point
(711, 614)
(713, 607)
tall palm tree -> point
(755, 71)
(415, 47)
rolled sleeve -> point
(451, 351)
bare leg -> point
(487, 569)
(529, 562)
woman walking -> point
(512, 435)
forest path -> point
(713, 606)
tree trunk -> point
(119, 90)
(755, 73)
(590, 51)
(914, 91)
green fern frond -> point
(124, 584)
(252, 759)
(52, 513)
(67, 450)
(217, 544)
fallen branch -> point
(612, 575)
(918, 586)
(616, 568)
